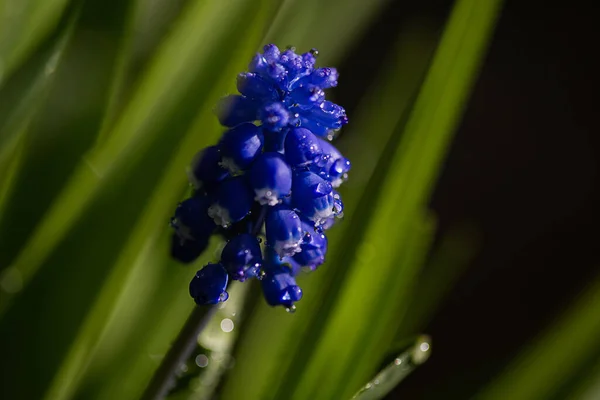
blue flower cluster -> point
(273, 174)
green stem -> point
(164, 377)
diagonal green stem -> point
(186, 341)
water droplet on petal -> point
(291, 309)
(223, 296)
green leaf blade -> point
(388, 378)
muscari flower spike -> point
(273, 175)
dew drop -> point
(261, 275)
(314, 52)
(201, 360)
(291, 309)
(227, 325)
(223, 296)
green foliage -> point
(554, 360)
(396, 371)
(101, 110)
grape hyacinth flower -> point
(272, 175)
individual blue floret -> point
(206, 170)
(191, 220)
(306, 97)
(274, 116)
(242, 257)
(209, 284)
(279, 287)
(334, 166)
(255, 87)
(274, 141)
(240, 146)
(232, 202)
(314, 248)
(271, 178)
(322, 119)
(312, 196)
(187, 250)
(234, 110)
(301, 147)
(283, 231)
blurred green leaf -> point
(545, 365)
(329, 26)
(83, 248)
(182, 72)
(587, 386)
(22, 102)
(110, 327)
(437, 278)
(61, 124)
(147, 24)
(23, 24)
(394, 373)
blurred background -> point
(471, 208)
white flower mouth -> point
(220, 215)
(197, 184)
(323, 215)
(337, 182)
(230, 165)
(182, 230)
(287, 248)
(266, 197)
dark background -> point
(522, 170)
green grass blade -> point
(551, 360)
(60, 121)
(27, 98)
(438, 277)
(23, 24)
(189, 58)
(150, 228)
(19, 107)
(218, 340)
(588, 385)
(404, 190)
(110, 327)
(148, 24)
(394, 373)
(326, 25)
